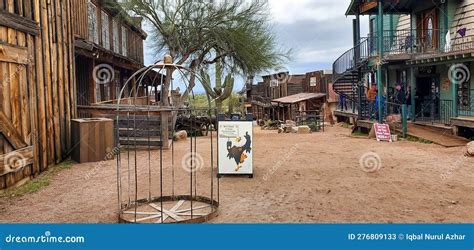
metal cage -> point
(152, 186)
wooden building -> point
(109, 49)
(37, 97)
(423, 43)
(281, 95)
(59, 60)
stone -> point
(181, 135)
(290, 123)
(394, 118)
(294, 130)
(304, 130)
(470, 149)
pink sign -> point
(382, 132)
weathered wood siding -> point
(463, 18)
(80, 17)
(133, 39)
(36, 88)
(403, 23)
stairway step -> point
(156, 142)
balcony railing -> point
(412, 41)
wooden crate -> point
(93, 139)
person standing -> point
(371, 98)
(342, 102)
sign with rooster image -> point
(235, 148)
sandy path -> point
(298, 179)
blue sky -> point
(317, 32)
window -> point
(92, 23)
(116, 33)
(313, 82)
(105, 31)
(124, 41)
(430, 29)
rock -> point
(181, 135)
(294, 130)
(304, 130)
(290, 123)
(394, 118)
(470, 149)
(286, 129)
(280, 130)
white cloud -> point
(289, 11)
(326, 55)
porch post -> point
(412, 93)
(454, 88)
(379, 64)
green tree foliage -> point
(200, 33)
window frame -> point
(92, 22)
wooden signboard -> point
(382, 132)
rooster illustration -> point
(239, 153)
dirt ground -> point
(313, 178)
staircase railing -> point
(351, 60)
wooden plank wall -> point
(80, 8)
(37, 89)
(463, 19)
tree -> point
(201, 33)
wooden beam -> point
(10, 133)
(15, 161)
(364, 7)
(13, 54)
(18, 23)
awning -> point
(389, 7)
(299, 98)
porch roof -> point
(371, 7)
(442, 58)
(292, 99)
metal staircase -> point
(347, 72)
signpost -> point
(382, 132)
(235, 146)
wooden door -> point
(428, 30)
(17, 102)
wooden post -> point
(380, 55)
(165, 116)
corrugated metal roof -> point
(299, 98)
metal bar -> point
(135, 167)
(404, 120)
(381, 56)
(191, 166)
(149, 158)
